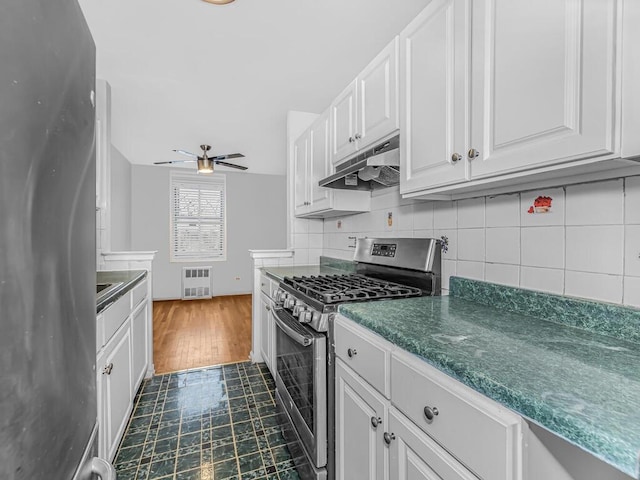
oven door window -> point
(295, 365)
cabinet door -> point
(360, 420)
(114, 379)
(319, 163)
(300, 157)
(543, 83)
(343, 123)
(415, 456)
(434, 118)
(378, 97)
(139, 344)
(267, 333)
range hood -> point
(377, 167)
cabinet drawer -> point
(265, 285)
(138, 293)
(484, 436)
(366, 353)
(115, 315)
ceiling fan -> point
(206, 163)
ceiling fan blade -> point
(174, 161)
(232, 165)
(226, 157)
(188, 154)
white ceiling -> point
(186, 72)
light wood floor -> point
(200, 333)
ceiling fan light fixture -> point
(218, 2)
(205, 165)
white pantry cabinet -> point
(428, 427)
(311, 164)
(503, 90)
(367, 110)
(123, 339)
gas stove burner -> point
(330, 289)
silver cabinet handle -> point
(375, 421)
(357, 136)
(388, 437)
(268, 308)
(431, 413)
(107, 369)
(456, 157)
(351, 139)
(103, 469)
(352, 352)
(473, 153)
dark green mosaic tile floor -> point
(216, 423)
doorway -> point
(199, 333)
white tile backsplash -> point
(582, 247)
(555, 214)
(542, 247)
(504, 274)
(544, 279)
(599, 203)
(445, 215)
(471, 213)
(594, 286)
(632, 291)
(503, 211)
(474, 270)
(597, 249)
(632, 250)
(503, 245)
(471, 244)
(632, 200)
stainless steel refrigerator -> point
(47, 242)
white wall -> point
(587, 246)
(255, 220)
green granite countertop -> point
(122, 280)
(577, 382)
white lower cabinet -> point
(361, 415)
(114, 390)
(428, 427)
(416, 456)
(123, 340)
(267, 327)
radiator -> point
(196, 282)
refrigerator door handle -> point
(103, 469)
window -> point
(198, 220)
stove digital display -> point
(383, 250)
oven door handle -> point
(298, 337)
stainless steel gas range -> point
(386, 268)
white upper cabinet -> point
(311, 164)
(496, 93)
(544, 87)
(343, 124)
(367, 110)
(434, 119)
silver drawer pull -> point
(352, 352)
(430, 413)
(107, 369)
(389, 437)
(375, 421)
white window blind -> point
(198, 220)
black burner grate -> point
(330, 289)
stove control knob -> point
(306, 316)
(298, 308)
(280, 296)
(289, 302)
